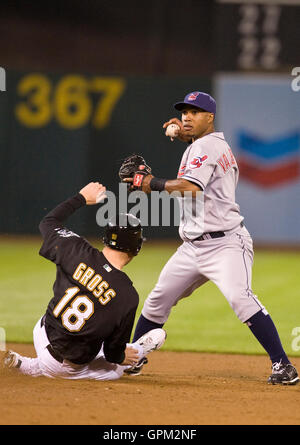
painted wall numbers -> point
(73, 102)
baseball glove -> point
(134, 167)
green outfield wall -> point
(59, 131)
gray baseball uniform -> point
(210, 164)
(225, 259)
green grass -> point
(202, 322)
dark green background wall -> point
(46, 160)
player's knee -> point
(243, 303)
(156, 315)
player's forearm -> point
(115, 356)
(181, 186)
(114, 352)
(61, 213)
(175, 185)
(178, 185)
(115, 346)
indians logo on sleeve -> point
(198, 161)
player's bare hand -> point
(131, 356)
(181, 133)
(93, 193)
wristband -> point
(158, 184)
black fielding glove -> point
(134, 167)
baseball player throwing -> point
(85, 331)
(216, 244)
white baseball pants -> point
(46, 365)
(226, 261)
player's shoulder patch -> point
(197, 161)
(65, 233)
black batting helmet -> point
(124, 232)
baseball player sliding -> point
(216, 244)
(85, 331)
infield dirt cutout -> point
(175, 388)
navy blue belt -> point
(210, 235)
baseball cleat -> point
(137, 369)
(283, 374)
(152, 340)
(12, 360)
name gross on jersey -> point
(85, 275)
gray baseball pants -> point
(226, 261)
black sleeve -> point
(114, 346)
(57, 216)
(57, 238)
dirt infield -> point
(175, 388)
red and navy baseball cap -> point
(199, 100)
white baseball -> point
(172, 130)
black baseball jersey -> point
(93, 301)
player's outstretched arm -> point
(92, 193)
(137, 174)
(170, 185)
